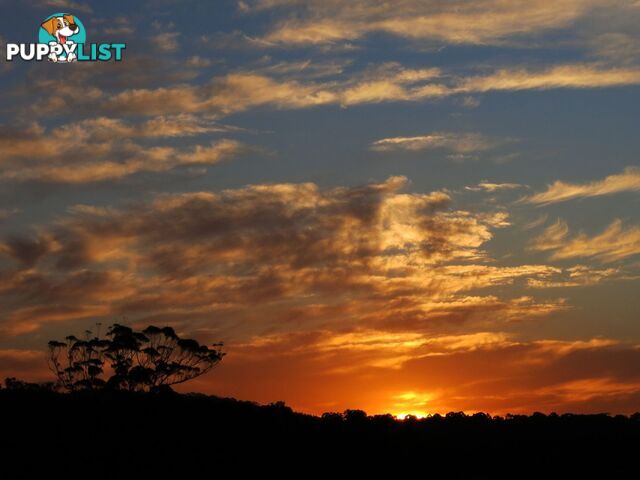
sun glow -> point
(411, 404)
(405, 415)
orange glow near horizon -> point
(411, 404)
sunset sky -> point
(408, 206)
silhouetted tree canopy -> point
(147, 360)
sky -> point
(411, 207)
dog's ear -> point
(50, 26)
(70, 19)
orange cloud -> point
(559, 76)
(370, 254)
(627, 181)
(246, 89)
(234, 92)
(578, 276)
(613, 244)
(456, 142)
(103, 149)
(483, 22)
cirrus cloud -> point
(615, 243)
(455, 22)
(462, 143)
(627, 181)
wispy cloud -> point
(615, 243)
(627, 181)
(617, 47)
(536, 222)
(456, 22)
(559, 76)
(246, 89)
(494, 187)
(104, 149)
(452, 141)
(578, 276)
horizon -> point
(413, 207)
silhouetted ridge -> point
(119, 434)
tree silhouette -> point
(78, 364)
(147, 360)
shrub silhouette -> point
(147, 360)
(15, 384)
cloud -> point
(103, 149)
(166, 42)
(461, 143)
(280, 252)
(617, 47)
(559, 76)
(304, 69)
(454, 22)
(470, 102)
(578, 276)
(247, 89)
(85, 93)
(231, 93)
(234, 40)
(155, 159)
(536, 222)
(615, 243)
(375, 348)
(68, 5)
(199, 62)
(494, 187)
(627, 181)
(240, 91)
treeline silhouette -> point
(123, 434)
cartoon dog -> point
(62, 28)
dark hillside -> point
(125, 435)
